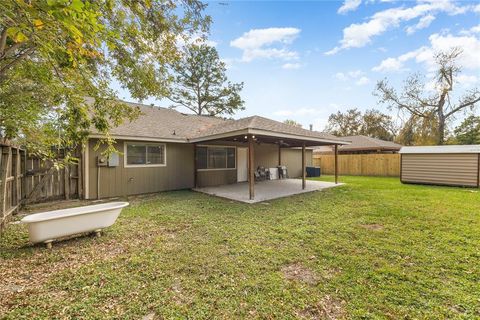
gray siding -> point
(216, 177)
(443, 169)
(121, 181)
(178, 173)
(292, 158)
(265, 155)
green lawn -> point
(371, 249)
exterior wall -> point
(265, 155)
(292, 158)
(442, 169)
(216, 177)
(178, 173)
(121, 181)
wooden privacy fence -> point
(360, 164)
(25, 179)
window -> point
(145, 154)
(215, 157)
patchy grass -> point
(373, 248)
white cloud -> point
(423, 23)
(291, 66)
(199, 39)
(425, 55)
(267, 43)
(358, 35)
(356, 75)
(362, 81)
(467, 80)
(349, 5)
(475, 29)
(477, 8)
(341, 76)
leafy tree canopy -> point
(293, 123)
(372, 123)
(54, 53)
(201, 85)
(468, 132)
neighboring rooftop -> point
(472, 148)
(156, 123)
(364, 143)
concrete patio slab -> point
(265, 190)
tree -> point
(54, 53)
(200, 83)
(293, 123)
(345, 124)
(416, 101)
(418, 131)
(378, 125)
(468, 132)
(372, 123)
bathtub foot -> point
(48, 244)
(98, 233)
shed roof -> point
(473, 148)
(163, 124)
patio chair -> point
(260, 174)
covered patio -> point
(251, 133)
(265, 190)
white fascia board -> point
(294, 136)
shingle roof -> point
(368, 143)
(163, 123)
(261, 123)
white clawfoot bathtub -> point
(50, 225)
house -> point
(167, 150)
(362, 145)
(454, 165)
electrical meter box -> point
(113, 160)
(101, 161)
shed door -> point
(242, 171)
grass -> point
(372, 249)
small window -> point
(141, 154)
(215, 157)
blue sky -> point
(306, 60)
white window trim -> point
(143, 144)
(218, 146)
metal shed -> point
(453, 165)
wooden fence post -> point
(66, 185)
(4, 175)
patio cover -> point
(258, 129)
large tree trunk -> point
(441, 118)
(441, 131)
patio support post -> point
(303, 167)
(251, 176)
(279, 155)
(336, 163)
(194, 165)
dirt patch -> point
(328, 308)
(373, 226)
(298, 272)
(27, 273)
